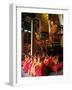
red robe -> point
(26, 66)
(39, 70)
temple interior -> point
(42, 44)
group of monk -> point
(41, 65)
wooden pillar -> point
(32, 37)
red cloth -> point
(26, 66)
(54, 68)
(57, 66)
(39, 70)
(30, 65)
(50, 61)
(60, 65)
